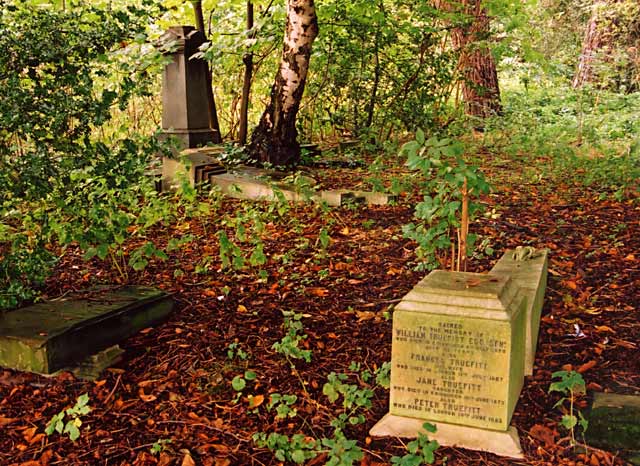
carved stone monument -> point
(458, 361)
(185, 113)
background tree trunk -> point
(275, 138)
(590, 47)
(246, 85)
(480, 89)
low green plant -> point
(383, 375)
(283, 405)
(340, 450)
(298, 448)
(571, 385)
(421, 450)
(289, 345)
(159, 446)
(354, 399)
(239, 383)
(235, 351)
(139, 258)
(67, 421)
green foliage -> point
(568, 136)
(235, 351)
(282, 404)
(355, 399)
(68, 421)
(421, 451)
(439, 213)
(289, 345)
(239, 382)
(378, 66)
(297, 448)
(63, 178)
(570, 385)
(341, 451)
(383, 375)
(24, 265)
(159, 446)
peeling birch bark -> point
(275, 138)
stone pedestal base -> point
(500, 443)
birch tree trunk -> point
(275, 138)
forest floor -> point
(171, 400)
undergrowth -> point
(587, 137)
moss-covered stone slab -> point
(614, 422)
(53, 335)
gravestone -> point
(185, 111)
(528, 268)
(458, 361)
(54, 335)
(614, 424)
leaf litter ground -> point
(174, 384)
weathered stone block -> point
(531, 277)
(53, 335)
(196, 164)
(614, 422)
(457, 350)
(185, 111)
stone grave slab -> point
(458, 360)
(499, 443)
(196, 164)
(529, 271)
(260, 184)
(614, 423)
(54, 335)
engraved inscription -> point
(450, 369)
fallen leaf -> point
(255, 401)
(222, 462)
(46, 457)
(187, 460)
(146, 398)
(29, 433)
(242, 308)
(165, 459)
(470, 283)
(604, 328)
(544, 435)
(594, 387)
(365, 315)
(36, 438)
(7, 420)
(317, 291)
(587, 365)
